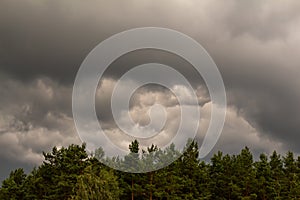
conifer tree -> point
(13, 186)
(277, 174)
(263, 176)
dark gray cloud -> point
(44, 38)
(255, 44)
(7, 165)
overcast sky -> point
(255, 45)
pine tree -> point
(69, 173)
(217, 177)
(170, 181)
(190, 171)
(149, 160)
(133, 164)
(263, 174)
(291, 187)
(276, 176)
(246, 174)
(57, 176)
(13, 186)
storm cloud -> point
(255, 45)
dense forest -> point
(71, 173)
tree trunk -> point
(151, 181)
(132, 193)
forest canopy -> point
(71, 173)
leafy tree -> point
(96, 183)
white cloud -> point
(237, 132)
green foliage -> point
(60, 169)
(96, 183)
(13, 186)
(70, 173)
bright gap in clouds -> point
(237, 132)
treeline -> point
(70, 173)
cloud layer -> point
(255, 44)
